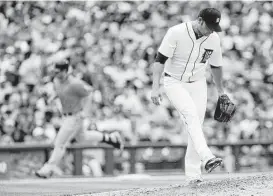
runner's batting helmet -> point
(62, 65)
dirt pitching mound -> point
(260, 185)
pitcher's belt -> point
(168, 75)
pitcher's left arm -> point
(216, 62)
(217, 73)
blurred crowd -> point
(111, 46)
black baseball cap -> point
(212, 18)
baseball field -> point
(245, 184)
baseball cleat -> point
(43, 175)
(212, 164)
(47, 171)
(114, 139)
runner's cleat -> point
(47, 171)
(114, 139)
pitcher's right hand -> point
(156, 96)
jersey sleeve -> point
(216, 58)
(168, 44)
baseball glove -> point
(225, 109)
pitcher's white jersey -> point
(188, 56)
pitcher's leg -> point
(192, 161)
(198, 92)
(182, 101)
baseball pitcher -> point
(72, 94)
(183, 55)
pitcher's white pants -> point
(190, 100)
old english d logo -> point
(206, 55)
